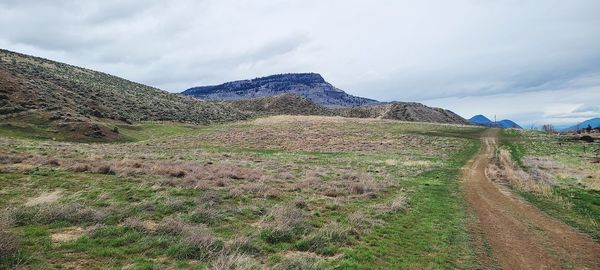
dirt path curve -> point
(519, 235)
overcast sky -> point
(532, 61)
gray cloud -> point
(444, 52)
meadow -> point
(282, 192)
(561, 176)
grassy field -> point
(566, 181)
(280, 192)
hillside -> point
(308, 85)
(593, 122)
(67, 96)
(292, 104)
(289, 104)
(404, 111)
(508, 124)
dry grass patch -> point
(44, 198)
(9, 241)
(284, 223)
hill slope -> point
(594, 123)
(71, 93)
(404, 111)
(290, 104)
(308, 85)
(508, 124)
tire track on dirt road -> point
(521, 236)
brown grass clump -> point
(73, 213)
(397, 204)
(359, 223)
(9, 242)
(206, 215)
(10, 159)
(235, 261)
(105, 169)
(284, 224)
(349, 183)
(300, 262)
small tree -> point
(549, 128)
(588, 128)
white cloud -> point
(384, 49)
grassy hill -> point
(76, 100)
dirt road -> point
(515, 234)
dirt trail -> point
(519, 235)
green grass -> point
(431, 235)
(422, 166)
(571, 200)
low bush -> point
(73, 213)
(284, 224)
(235, 261)
(325, 241)
(205, 215)
(300, 262)
(9, 242)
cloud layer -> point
(455, 54)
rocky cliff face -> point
(309, 85)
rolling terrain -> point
(100, 172)
(283, 192)
(65, 99)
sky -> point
(534, 62)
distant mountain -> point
(481, 120)
(508, 124)
(308, 85)
(594, 123)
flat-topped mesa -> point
(309, 85)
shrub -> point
(205, 215)
(51, 162)
(178, 174)
(397, 204)
(300, 262)
(197, 243)
(235, 261)
(360, 223)
(49, 213)
(105, 169)
(134, 224)
(243, 244)
(325, 240)
(81, 168)
(9, 242)
(173, 226)
(9, 159)
(284, 224)
(211, 198)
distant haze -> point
(534, 62)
